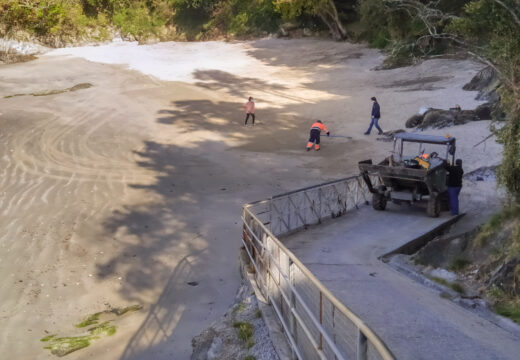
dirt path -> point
(124, 192)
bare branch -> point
(507, 8)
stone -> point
(506, 276)
(438, 119)
(480, 81)
(414, 121)
(483, 112)
(307, 32)
(215, 348)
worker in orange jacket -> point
(314, 138)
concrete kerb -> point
(414, 245)
(276, 333)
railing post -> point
(321, 320)
(333, 309)
(361, 346)
(319, 201)
(293, 324)
(265, 240)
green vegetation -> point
(454, 286)
(89, 320)
(445, 295)
(510, 309)
(63, 345)
(459, 264)
(496, 224)
(124, 310)
(238, 308)
(505, 304)
(47, 338)
(54, 92)
(245, 332)
(250, 357)
(59, 22)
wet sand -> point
(122, 193)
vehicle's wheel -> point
(434, 205)
(379, 199)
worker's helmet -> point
(319, 121)
(424, 156)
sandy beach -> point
(124, 192)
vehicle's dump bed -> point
(396, 172)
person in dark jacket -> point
(455, 174)
(376, 115)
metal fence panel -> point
(317, 325)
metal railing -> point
(317, 324)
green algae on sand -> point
(102, 326)
(89, 320)
(65, 345)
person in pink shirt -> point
(250, 110)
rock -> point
(149, 40)
(282, 32)
(464, 116)
(483, 112)
(506, 276)
(438, 119)
(443, 274)
(215, 348)
(202, 344)
(414, 121)
(483, 79)
(289, 26)
(307, 32)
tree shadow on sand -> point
(243, 87)
(184, 227)
(173, 227)
(184, 230)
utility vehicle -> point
(413, 176)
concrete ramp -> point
(413, 320)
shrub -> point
(138, 21)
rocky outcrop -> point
(439, 118)
(486, 82)
(12, 51)
(506, 276)
(241, 333)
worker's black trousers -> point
(315, 136)
(247, 118)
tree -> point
(324, 9)
(490, 31)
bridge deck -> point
(413, 320)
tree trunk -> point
(329, 16)
(334, 31)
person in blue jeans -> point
(376, 115)
(455, 174)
